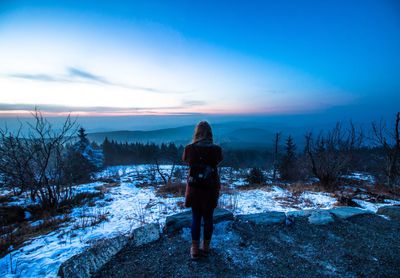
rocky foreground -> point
(344, 242)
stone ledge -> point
(392, 211)
(347, 212)
(181, 220)
(320, 217)
(92, 259)
(265, 218)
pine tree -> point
(288, 169)
(83, 140)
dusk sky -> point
(107, 58)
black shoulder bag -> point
(201, 174)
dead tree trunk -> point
(276, 153)
(390, 144)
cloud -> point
(190, 103)
(78, 75)
(37, 77)
(54, 108)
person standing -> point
(203, 185)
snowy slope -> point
(130, 205)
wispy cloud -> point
(78, 75)
(36, 77)
(190, 103)
(59, 109)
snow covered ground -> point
(132, 204)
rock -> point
(221, 215)
(300, 213)
(265, 218)
(347, 212)
(392, 211)
(320, 217)
(92, 259)
(178, 221)
(146, 234)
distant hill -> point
(231, 135)
(179, 135)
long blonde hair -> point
(202, 131)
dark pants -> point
(197, 215)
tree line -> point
(333, 153)
(123, 153)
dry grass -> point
(79, 199)
(229, 201)
(176, 189)
(105, 188)
(90, 218)
(382, 189)
(298, 188)
(16, 235)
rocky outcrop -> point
(362, 245)
(92, 259)
(265, 218)
(347, 212)
(181, 220)
(320, 217)
(323, 217)
(391, 211)
(145, 234)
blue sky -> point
(108, 58)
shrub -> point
(255, 176)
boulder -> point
(92, 259)
(178, 221)
(347, 212)
(320, 217)
(300, 213)
(392, 211)
(146, 234)
(265, 218)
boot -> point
(194, 250)
(205, 246)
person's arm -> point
(185, 157)
(220, 156)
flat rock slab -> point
(320, 217)
(92, 259)
(181, 220)
(301, 213)
(392, 211)
(347, 212)
(264, 218)
(146, 234)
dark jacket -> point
(204, 198)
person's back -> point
(203, 186)
(203, 152)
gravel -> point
(360, 246)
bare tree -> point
(35, 161)
(389, 141)
(166, 177)
(330, 154)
